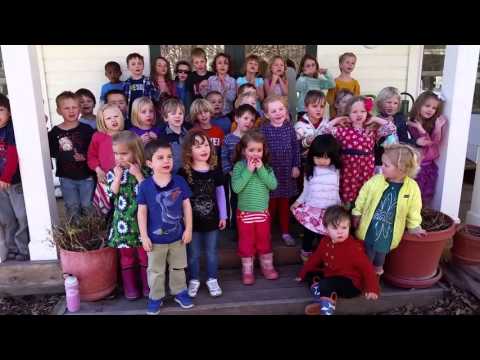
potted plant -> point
(83, 253)
(466, 245)
(414, 263)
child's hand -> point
(152, 135)
(341, 120)
(294, 206)
(251, 165)
(222, 224)
(100, 175)
(118, 171)
(295, 172)
(309, 139)
(418, 231)
(186, 237)
(371, 296)
(147, 244)
(134, 169)
(298, 279)
(423, 141)
(322, 71)
(258, 163)
(441, 121)
(4, 185)
(146, 138)
(416, 125)
(376, 120)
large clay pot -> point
(96, 271)
(466, 245)
(414, 263)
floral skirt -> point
(311, 218)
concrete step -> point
(266, 297)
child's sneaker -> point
(304, 255)
(153, 307)
(213, 287)
(288, 239)
(184, 300)
(193, 287)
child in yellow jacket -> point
(388, 203)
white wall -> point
(70, 67)
(473, 137)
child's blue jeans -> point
(210, 240)
(77, 195)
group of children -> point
(173, 162)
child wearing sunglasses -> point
(182, 72)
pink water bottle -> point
(72, 293)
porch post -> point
(25, 94)
(459, 76)
(473, 215)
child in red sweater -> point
(338, 266)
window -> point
(3, 81)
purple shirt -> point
(140, 132)
(229, 92)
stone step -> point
(266, 297)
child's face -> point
(390, 171)
(162, 161)
(348, 64)
(203, 87)
(278, 67)
(217, 103)
(276, 113)
(245, 122)
(112, 119)
(146, 116)
(250, 90)
(182, 72)
(135, 66)
(161, 67)
(342, 103)
(199, 64)
(358, 114)
(4, 116)
(391, 105)
(310, 68)
(175, 118)
(252, 67)
(113, 74)
(123, 155)
(250, 100)
(429, 108)
(200, 149)
(315, 110)
(339, 232)
(204, 119)
(119, 101)
(322, 160)
(69, 109)
(222, 65)
(86, 105)
(254, 150)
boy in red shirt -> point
(338, 266)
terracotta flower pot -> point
(466, 245)
(96, 271)
(414, 263)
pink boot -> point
(266, 262)
(130, 288)
(247, 271)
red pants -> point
(253, 233)
(132, 257)
(280, 204)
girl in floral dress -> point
(357, 140)
(122, 184)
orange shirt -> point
(352, 85)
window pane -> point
(175, 53)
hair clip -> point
(368, 104)
(439, 95)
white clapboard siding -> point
(70, 67)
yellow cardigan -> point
(409, 205)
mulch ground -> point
(28, 305)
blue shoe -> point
(184, 300)
(153, 307)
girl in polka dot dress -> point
(357, 133)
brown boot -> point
(266, 262)
(247, 271)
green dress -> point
(124, 232)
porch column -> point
(25, 94)
(459, 76)
(473, 215)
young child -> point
(208, 207)
(165, 223)
(68, 144)
(338, 266)
(347, 62)
(276, 82)
(247, 98)
(222, 121)
(309, 79)
(244, 117)
(222, 81)
(118, 98)
(198, 79)
(122, 185)
(100, 157)
(182, 72)
(388, 204)
(357, 141)
(112, 73)
(285, 154)
(426, 124)
(252, 63)
(341, 100)
(137, 85)
(320, 189)
(87, 104)
(252, 180)
(162, 80)
(174, 131)
(143, 120)
(13, 217)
